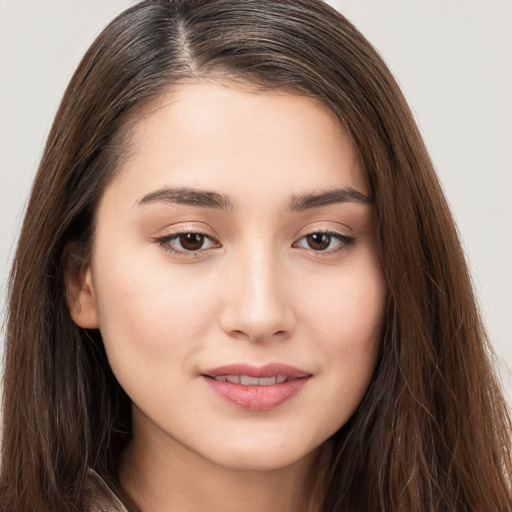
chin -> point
(254, 457)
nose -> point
(257, 304)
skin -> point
(256, 292)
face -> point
(235, 276)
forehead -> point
(224, 135)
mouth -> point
(256, 388)
(248, 380)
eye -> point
(323, 241)
(187, 242)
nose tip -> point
(258, 318)
(257, 306)
(257, 334)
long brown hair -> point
(432, 433)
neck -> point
(167, 477)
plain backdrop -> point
(453, 60)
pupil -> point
(319, 241)
(192, 241)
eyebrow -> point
(333, 196)
(208, 199)
(189, 196)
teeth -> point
(267, 381)
(247, 380)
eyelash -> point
(166, 241)
(345, 242)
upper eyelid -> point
(333, 232)
(172, 232)
(346, 233)
(336, 234)
(177, 234)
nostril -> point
(266, 320)
(258, 335)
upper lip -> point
(268, 370)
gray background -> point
(453, 59)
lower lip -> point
(257, 398)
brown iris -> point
(319, 241)
(191, 241)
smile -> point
(256, 388)
(248, 380)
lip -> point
(257, 397)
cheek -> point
(346, 319)
(149, 316)
(348, 312)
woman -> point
(238, 284)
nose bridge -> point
(258, 306)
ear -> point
(81, 298)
